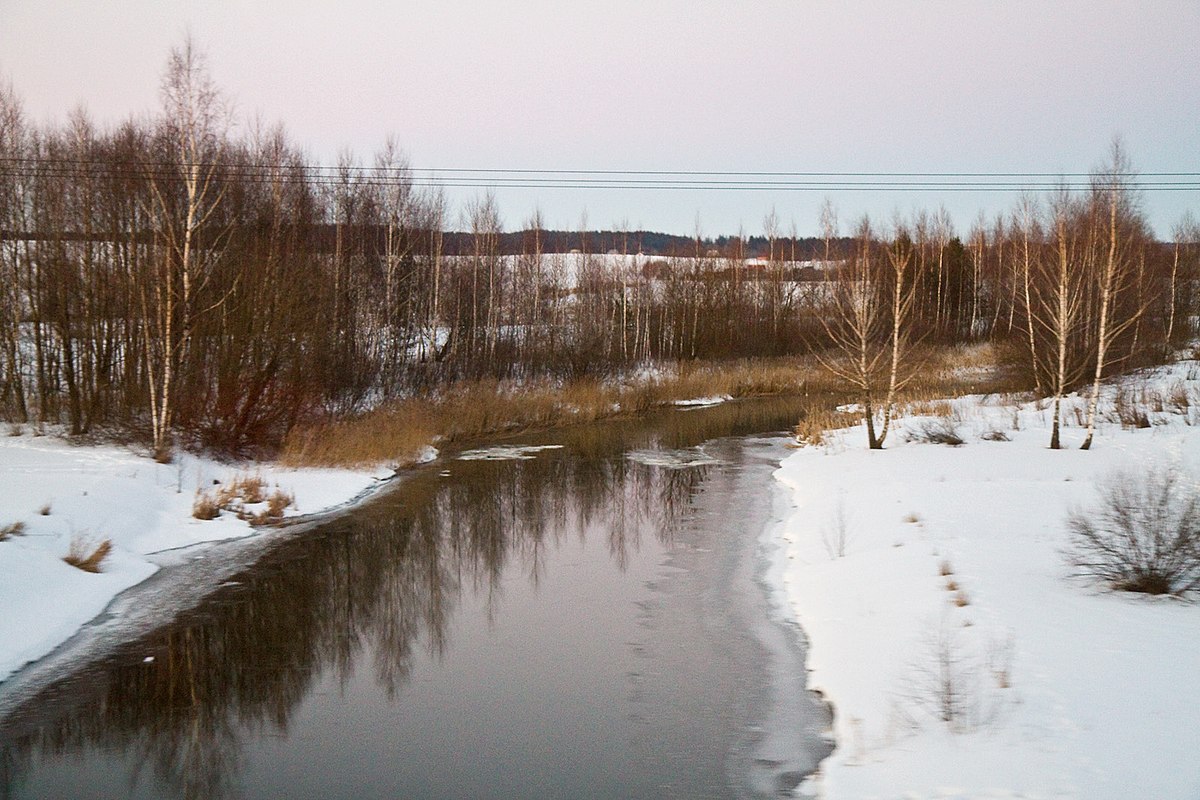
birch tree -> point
(1114, 271)
(1060, 305)
(868, 326)
(186, 195)
(1186, 234)
(1026, 220)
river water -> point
(577, 614)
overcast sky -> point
(954, 86)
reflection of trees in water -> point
(385, 580)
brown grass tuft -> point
(929, 408)
(278, 502)
(82, 555)
(237, 495)
(206, 506)
(12, 529)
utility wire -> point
(658, 180)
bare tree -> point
(1186, 234)
(187, 193)
(1060, 303)
(1026, 220)
(867, 325)
(13, 151)
(1114, 205)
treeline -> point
(651, 243)
(1074, 285)
(170, 277)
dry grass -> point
(396, 433)
(12, 529)
(819, 418)
(206, 506)
(44, 510)
(929, 408)
(86, 556)
(945, 569)
(1179, 398)
(1130, 410)
(278, 502)
(238, 495)
(961, 599)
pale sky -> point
(953, 86)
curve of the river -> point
(577, 614)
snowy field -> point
(53, 494)
(931, 582)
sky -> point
(802, 86)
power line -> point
(623, 180)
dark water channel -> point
(588, 621)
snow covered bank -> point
(931, 582)
(53, 493)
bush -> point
(937, 431)
(1144, 536)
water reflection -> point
(375, 590)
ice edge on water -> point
(673, 459)
(506, 452)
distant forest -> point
(653, 243)
(172, 278)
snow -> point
(506, 452)
(1064, 688)
(702, 402)
(673, 459)
(60, 492)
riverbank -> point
(962, 654)
(57, 498)
(98, 493)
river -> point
(575, 614)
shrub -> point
(945, 680)
(1144, 535)
(937, 431)
(84, 556)
(995, 435)
(1130, 412)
